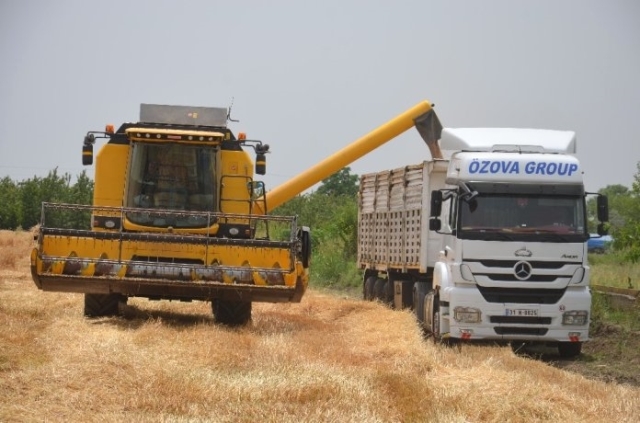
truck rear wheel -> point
(569, 349)
(387, 290)
(368, 288)
(231, 313)
(101, 305)
(380, 290)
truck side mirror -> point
(435, 224)
(603, 208)
(436, 203)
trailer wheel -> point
(231, 313)
(368, 288)
(388, 293)
(379, 290)
(569, 349)
(419, 292)
(101, 305)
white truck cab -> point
(513, 263)
(485, 241)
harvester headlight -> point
(234, 231)
(467, 315)
(575, 317)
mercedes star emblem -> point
(522, 270)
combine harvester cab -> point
(177, 215)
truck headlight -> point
(467, 315)
(466, 273)
(578, 276)
(575, 317)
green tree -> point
(55, 188)
(31, 199)
(627, 236)
(80, 193)
(620, 204)
(11, 205)
(341, 183)
(332, 214)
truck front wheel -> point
(569, 349)
(231, 313)
(431, 310)
(419, 292)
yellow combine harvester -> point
(178, 215)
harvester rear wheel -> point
(100, 305)
(231, 313)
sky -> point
(308, 78)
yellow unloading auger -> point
(422, 116)
(200, 242)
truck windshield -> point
(171, 177)
(514, 214)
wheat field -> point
(327, 359)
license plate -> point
(522, 312)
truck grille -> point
(521, 320)
(520, 331)
(510, 263)
(521, 295)
(504, 270)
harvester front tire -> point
(231, 313)
(102, 305)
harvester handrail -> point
(165, 237)
(275, 218)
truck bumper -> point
(515, 321)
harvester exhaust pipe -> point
(422, 116)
